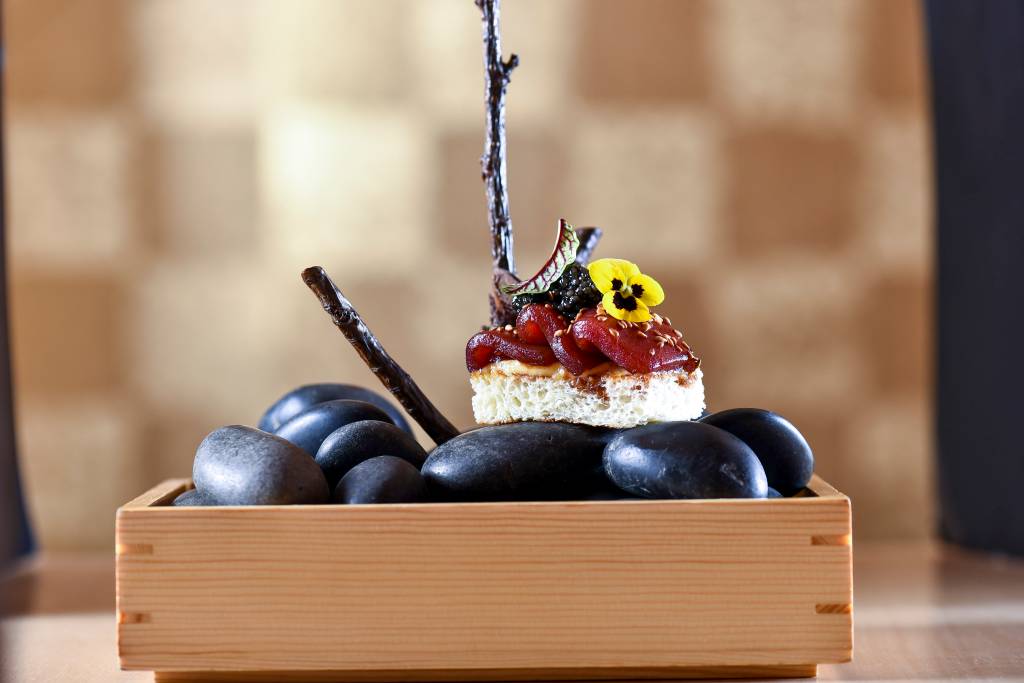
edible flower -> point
(627, 293)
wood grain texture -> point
(161, 494)
(470, 675)
(925, 613)
(565, 588)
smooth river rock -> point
(239, 465)
(684, 460)
(191, 498)
(308, 429)
(520, 461)
(347, 446)
(783, 451)
(604, 489)
(384, 479)
(305, 397)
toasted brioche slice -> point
(607, 396)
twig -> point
(589, 237)
(390, 373)
(493, 162)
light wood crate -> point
(485, 591)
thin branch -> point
(390, 373)
(493, 162)
(589, 237)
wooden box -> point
(485, 591)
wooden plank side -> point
(488, 675)
(822, 488)
(160, 494)
(540, 586)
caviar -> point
(569, 294)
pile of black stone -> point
(339, 443)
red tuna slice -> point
(486, 347)
(538, 322)
(638, 347)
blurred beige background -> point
(174, 164)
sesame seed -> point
(602, 318)
(652, 352)
(668, 321)
(559, 333)
(660, 344)
(641, 334)
(623, 324)
(647, 326)
(657, 318)
(508, 328)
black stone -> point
(239, 465)
(684, 460)
(383, 479)
(604, 489)
(308, 429)
(784, 453)
(347, 446)
(520, 461)
(305, 397)
(191, 498)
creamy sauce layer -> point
(555, 370)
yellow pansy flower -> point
(628, 293)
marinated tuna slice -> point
(542, 324)
(489, 346)
(645, 347)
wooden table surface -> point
(923, 612)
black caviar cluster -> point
(569, 294)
